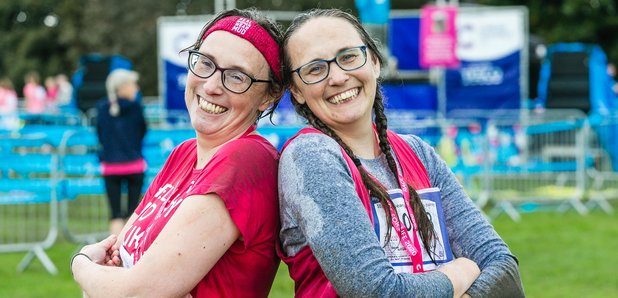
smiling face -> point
(344, 100)
(215, 111)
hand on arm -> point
(100, 253)
(115, 259)
(462, 273)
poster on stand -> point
(438, 37)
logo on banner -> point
(481, 75)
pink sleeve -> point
(244, 174)
(170, 168)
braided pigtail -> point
(375, 189)
(425, 226)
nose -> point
(337, 76)
(214, 83)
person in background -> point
(9, 119)
(207, 226)
(121, 128)
(51, 91)
(34, 94)
(347, 179)
(65, 90)
(8, 97)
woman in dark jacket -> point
(121, 128)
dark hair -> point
(273, 29)
(376, 189)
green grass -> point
(560, 254)
(565, 255)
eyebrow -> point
(337, 53)
(233, 66)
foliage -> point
(593, 21)
(129, 28)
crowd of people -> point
(52, 95)
(352, 208)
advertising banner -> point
(438, 36)
(174, 35)
(491, 48)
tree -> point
(592, 21)
(129, 28)
(26, 43)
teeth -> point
(343, 97)
(210, 108)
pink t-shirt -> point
(36, 98)
(243, 173)
(8, 101)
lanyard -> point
(410, 243)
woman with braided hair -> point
(348, 178)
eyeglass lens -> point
(349, 59)
(233, 80)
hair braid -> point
(375, 188)
(425, 226)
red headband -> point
(252, 32)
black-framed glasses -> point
(348, 59)
(233, 79)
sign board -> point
(438, 36)
(174, 35)
(492, 51)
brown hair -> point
(273, 29)
(376, 189)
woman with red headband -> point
(207, 225)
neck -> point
(207, 146)
(361, 140)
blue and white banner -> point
(490, 48)
(174, 35)
(486, 85)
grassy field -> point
(561, 255)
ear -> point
(375, 63)
(266, 102)
(298, 96)
(269, 99)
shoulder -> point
(413, 140)
(310, 159)
(423, 150)
(252, 144)
(311, 145)
(248, 152)
(440, 175)
(183, 149)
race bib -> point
(395, 252)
